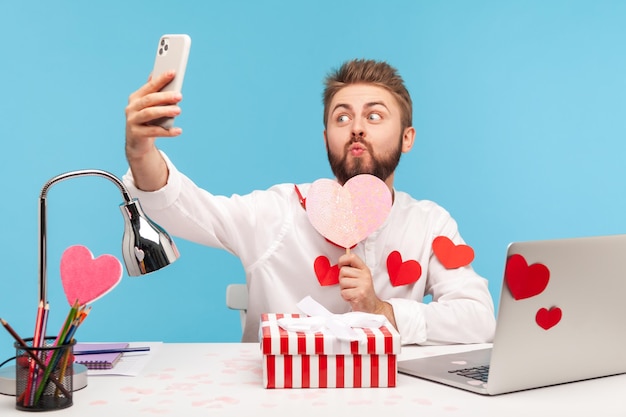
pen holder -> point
(44, 376)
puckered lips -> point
(357, 149)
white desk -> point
(212, 379)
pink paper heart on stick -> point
(86, 279)
(347, 215)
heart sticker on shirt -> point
(525, 281)
(326, 274)
(86, 279)
(450, 255)
(347, 215)
(402, 273)
(547, 319)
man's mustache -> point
(358, 139)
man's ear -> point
(408, 139)
(325, 139)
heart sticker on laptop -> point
(347, 215)
(547, 319)
(86, 279)
(525, 281)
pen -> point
(99, 351)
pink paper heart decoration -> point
(347, 215)
(86, 279)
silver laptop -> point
(562, 318)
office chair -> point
(237, 299)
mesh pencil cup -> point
(44, 376)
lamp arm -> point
(43, 216)
(86, 172)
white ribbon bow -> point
(340, 325)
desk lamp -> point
(146, 248)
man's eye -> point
(374, 116)
(343, 118)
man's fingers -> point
(155, 84)
(152, 100)
(148, 131)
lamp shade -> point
(146, 247)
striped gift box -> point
(318, 360)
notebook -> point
(562, 318)
(98, 360)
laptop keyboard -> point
(478, 372)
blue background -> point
(518, 105)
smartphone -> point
(172, 54)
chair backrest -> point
(237, 299)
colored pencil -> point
(34, 357)
(32, 367)
(81, 315)
(54, 360)
(46, 313)
(66, 325)
(64, 365)
(42, 340)
(38, 325)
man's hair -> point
(379, 73)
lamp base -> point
(7, 379)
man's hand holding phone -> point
(151, 111)
(147, 104)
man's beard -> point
(381, 167)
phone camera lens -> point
(162, 42)
(160, 51)
(166, 47)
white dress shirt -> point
(271, 234)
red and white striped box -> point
(318, 360)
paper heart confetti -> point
(326, 274)
(525, 281)
(86, 279)
(347, 215)
(547, 319)
(402, 273)
(450, 255)
(474, 382)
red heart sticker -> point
(86, 279)
(402, 273)
(450, 255)
(326, 274)
(525, 281)
(548, 318)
